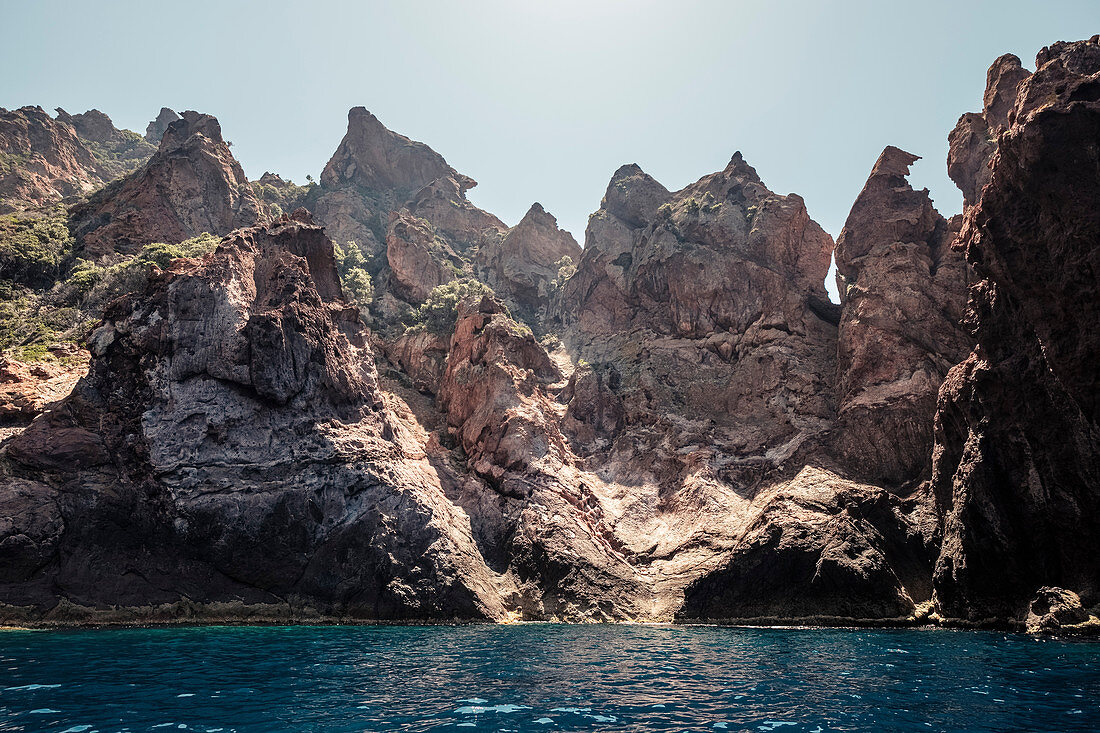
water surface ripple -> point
(543, 677)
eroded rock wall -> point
(229, 455)
(1017, 457)
(903, 293)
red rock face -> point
(27, 389)
(373, 157)
(523, 264)
(710, 302)
(1017, 457)
(191, 185)
(495, 371)
(418, 258)
(156, 128)
(374, 173)
(401, 203)
(42, 161)
(903, 293)
(974, 139)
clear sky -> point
(542, 101)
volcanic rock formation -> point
(193, 184)
(155, 130)
(709, 303)
(372, 173)
(524, 263)
(118, 152)
(974, 139)
(903, 292)
(231, 446)
(672, 424)
(42, 161)
(408, 212)
(28, 389)
(1017, 457)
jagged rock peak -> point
(372, 156)
(56, 163)
(903, 292)
(1017, 458)
(154, 131)
(894, 162)
(633, 195)
(739, 168)
(539, 238)
(191, 185)
(191, 123)
(887, 210)
(521, 265)
(273, 179)
(974, 139)
(91, 125)
(537, 215)
(1001, 82)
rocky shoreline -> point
(370, 401)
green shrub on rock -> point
(33, 247)
(439, 311)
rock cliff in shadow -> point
(230, 454)
(1017, 457)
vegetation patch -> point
(33, 247)
(439, 312)
(352, 265)
(122, 155)
(52, 310)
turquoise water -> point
(543, 678)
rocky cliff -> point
(193, 184)
(42, 161)
(673, 423)
(230, 453)
(118, 152)
(1017, 457)
(902, 292)
(710, 303)
(156, 128)
(407, 210)
(525, 263)
(46, 161)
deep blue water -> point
(543, 677)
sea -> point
(544, 677)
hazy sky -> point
(542, 101)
